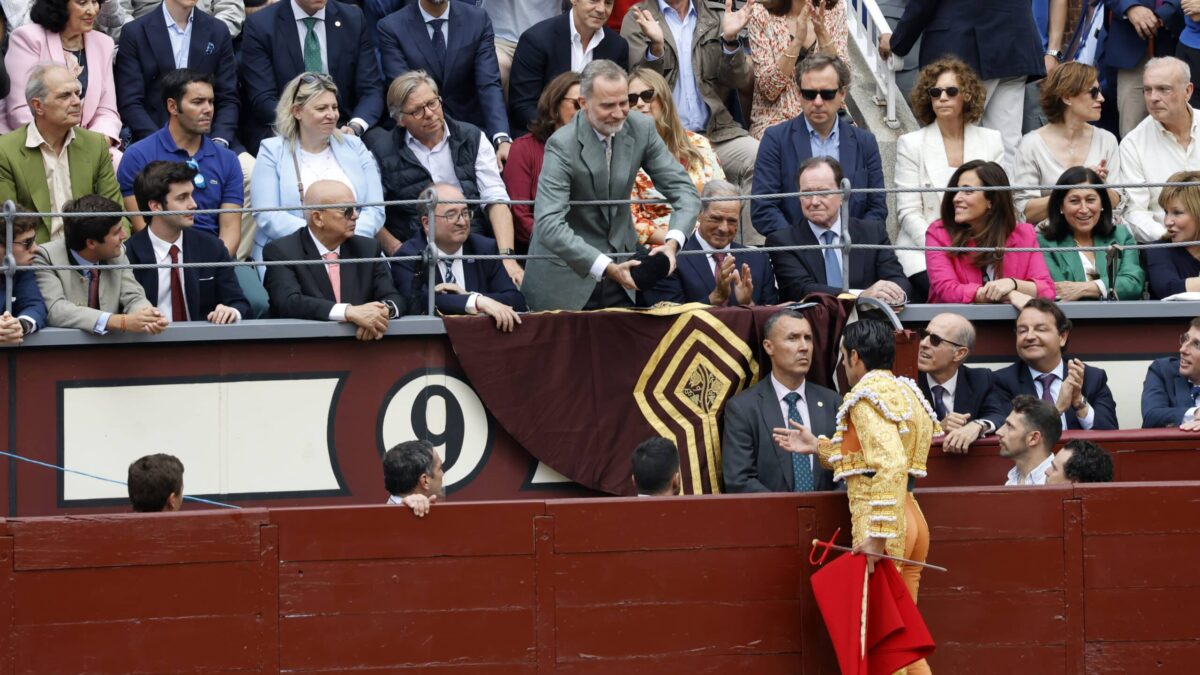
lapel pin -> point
(337, 24)
(820, 404)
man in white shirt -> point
(1027, 437)
(412, 475)
(1162, 144)
(655, 465)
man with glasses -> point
(959, 395)
(188, 100)
(1171, 392)
(464, 285)
(28, 309)
(427, 146)
(818, 131)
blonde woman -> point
(1173, 270)
(308, 147)
(650, 94)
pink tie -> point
(335, 275)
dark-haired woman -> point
(1082, 215)
(984, 220)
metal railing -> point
(866, 23)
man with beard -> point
(1027, 437)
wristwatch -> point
(1083, 405)
(356, 128)
(500, 140)
(507, 251)
(1056, 53)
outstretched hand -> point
(797, 439)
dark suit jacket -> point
(1014, 380)
(971, 394)
(1123, 48)
(785, 146)
(693, 280)
(304, 291)
(544, 52)
(486, 277)
(144, 56)
(1168, 270)
(750, 459)
(997, 38)
(27, 297)
(802, 272)
(272, 56)
(203, 288)
(468, 80)
(1166, 395)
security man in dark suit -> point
(959, 395)
(751, 460)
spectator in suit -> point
(412, 475)
(428, 146)
(873, 273)
(948, 100)
(316, 36)
(1161, 145)
(1138, 31)
(27, 305)
(1173, 270)
(94, 299)
(188, 99)
(751, 460)
(183, 294)
(997, 39)
(985, 220)
(824, 81)
(1080, 461)
(1171, 391)
(61, 32)
(1079, 392)
(556, 106)
(597, 156)
(309, 147)
(359, 293)
(655, 464)
(463, 286)
(155, 484)
(959, 395)
(719, 278)
(1027, 437)
(909, 65)
(454, 44)
(1083, 216)
(51, 160)
(510, 20)
(231, 13)
(567, 42)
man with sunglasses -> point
(958, 395)
(1171, 392)
(28, 306)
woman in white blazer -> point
(948, 99)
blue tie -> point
(833, 266)
(801, 464)
(439, 40)
(1195, 392)
(939, 405)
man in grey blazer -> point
(749, 457)
(596, 156)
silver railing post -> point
(431, 250)
(844, 216)
(865, 24)
(10, 261)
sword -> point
(829, 545)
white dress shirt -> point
(459, 272)
(580, 55)
(1035, 477)
(58, 173)
(1084, 422)
(712, 262)
(181, 40)
(801, 405)
(1150, 154)
(427, 17)
(162, 256)
(338, 313)
(439, 162)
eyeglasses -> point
(454, 216)
(347, 212)
(936, 92)
(198, 180)
(812, 94)
(1094, 92)
(26, 244)
(646, 96)
(430, 107)
(937, 340)
(1185, 340)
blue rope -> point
(109, 480)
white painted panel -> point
(232, 437)
(423, 401)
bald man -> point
(359, 293)
(958, 394)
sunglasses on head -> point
(936, 340)
(936, 92)
(198, 180)
(812, 94)
(646, 97)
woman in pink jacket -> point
(61, 32)
(984, 220)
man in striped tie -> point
(958, 394)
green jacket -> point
(23, 175)
(1066, 266)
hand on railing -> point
(885, 45)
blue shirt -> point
(219, 166)
(824, 147)
(181, 40)
(1041, 18)
(1190, 37)
(693, 111)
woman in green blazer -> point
(1083, 216)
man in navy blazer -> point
(273, 54)
(816, 132)
(207, 293)
(144, 55)
(1127, 35)
(875, 272)
(721, 277)
(1172, 386)
(547, 50)
(959, 395)
(465, 70)
(1080, 392)
(28, 308)
(463, 286)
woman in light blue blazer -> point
(308, 144)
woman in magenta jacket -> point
(984, 220)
